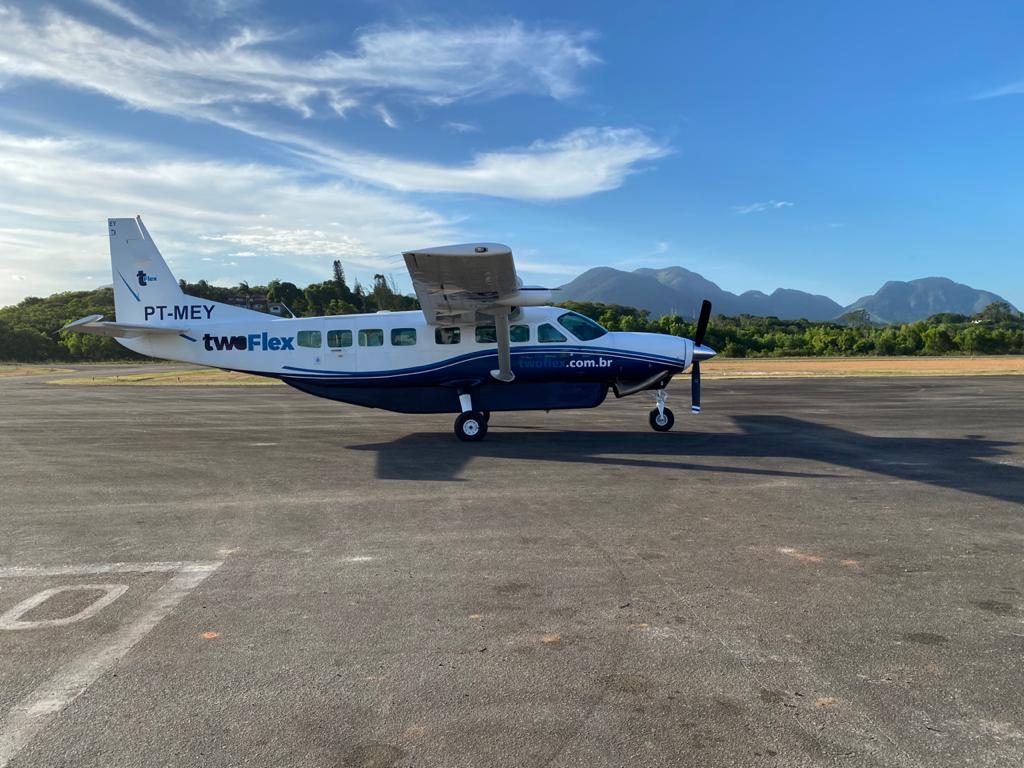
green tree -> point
(283, 293)
(938, 340)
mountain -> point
(905, 302)
(680, 291)
(789, 304)
(613, 286)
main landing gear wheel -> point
(662, 422)
(471, 426)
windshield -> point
(583, 328)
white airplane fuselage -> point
(481, 342)
(397, 361)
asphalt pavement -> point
(811, 572)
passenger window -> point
(371, 337)
(583, 328)
(447, 335)
(403, 337)
(548, 332)
(337, 339)
(308, 338)
(488, 334)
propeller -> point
(698, 340)
(702, 323)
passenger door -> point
(341, 348)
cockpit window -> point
(583, 328)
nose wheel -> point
(662, 421)
(661, 418)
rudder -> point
(141, 276)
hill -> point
(905, 302)
(675, 290)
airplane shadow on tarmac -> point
(955, 463)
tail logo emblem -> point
(144, 278)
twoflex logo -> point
(254, 341)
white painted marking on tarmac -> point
(34, 712)
(358, 559)
(88, 570)
(12, 618)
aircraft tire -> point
(662, 424)
(471, 427)
(486, 415)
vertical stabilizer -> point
(141, 276)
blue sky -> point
(821, 146)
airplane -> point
(482, 341)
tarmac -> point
(810, 573)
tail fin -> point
(141, 276)
(145, 291)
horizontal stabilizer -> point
(92, 324)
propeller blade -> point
(695, 387)
(702, 323)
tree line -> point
(30, 330)
(331, 297)
(996, 330)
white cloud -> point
(1010, 89)
(454, 126)
(580, 163)
(18, 277)
(233, 80)
(126, 14)
(65, 189)
(218, 80)
(216, 9)
(767, 205)
(525, 266)
(386, 116)
(284, 241)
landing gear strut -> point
(661, 418)
(470, 426)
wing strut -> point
(504, 372)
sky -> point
(827, 147)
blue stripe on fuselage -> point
(421, 372)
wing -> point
(472, 283)
(92, 325)
(460, 283)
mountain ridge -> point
(680, 291)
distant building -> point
(260, 304)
